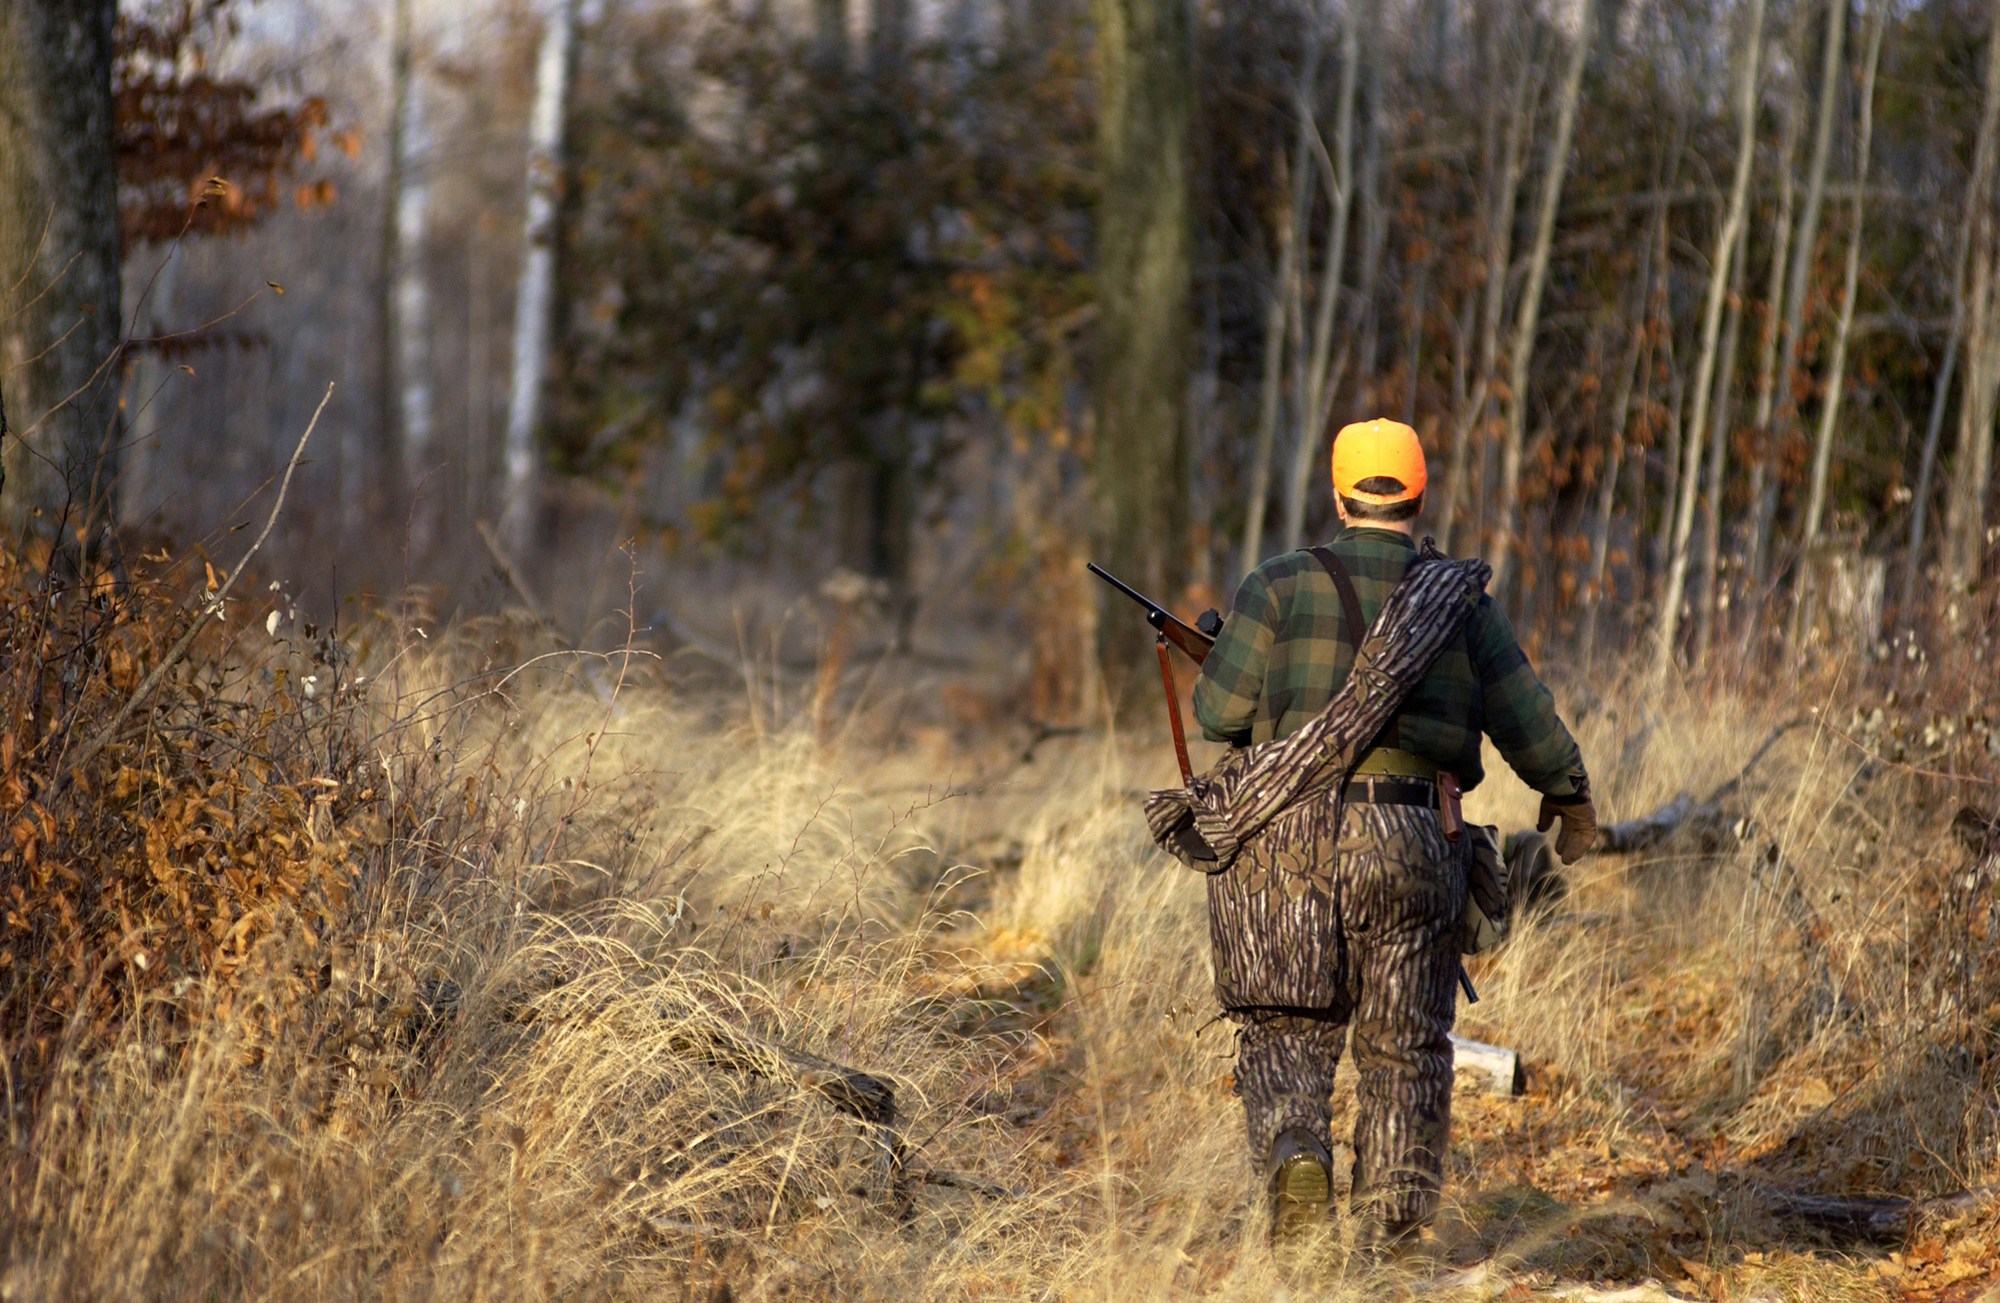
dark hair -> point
(1384, 511)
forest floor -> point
(576, 1027)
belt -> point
(1369, 790)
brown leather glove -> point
(1579, 830)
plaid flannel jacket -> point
(1282, 655)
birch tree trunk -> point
(1521, 351)
(1667, 621)
(1338, 172)
(60, 313)
(1144, 96)
(406, 341)
(1804, 243)
(1499, 257)
(1978, 194)
(1829, 412)
(534, 298)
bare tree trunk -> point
(1499, 257)
(406, 340)
(60, 314)
(830, 32)
(1718, 458)
(1829, 412)
(1972, 462)
(1144, 94)
(1762, 462)
(888, 35)
(534, 300)
(1521, 351)
(1338, 173)
(1621, 417)
(1803, 245)
(1276, 315)
(1666, 623)
(1978, 194)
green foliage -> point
(803, 264)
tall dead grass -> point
(457, 1052)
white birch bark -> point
(1528, 315)
(534, 301)
(409, 291)
(1667, 621)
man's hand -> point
(1579, 830)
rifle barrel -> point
(1192, 642)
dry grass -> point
(468, 1073)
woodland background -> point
(637, 811)
(1693, 302)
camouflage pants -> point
(1311, 945)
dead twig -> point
(510, 574)
(211, 606)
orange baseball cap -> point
(1367, 449)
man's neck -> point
(1407, 528)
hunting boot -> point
(1301, 1187)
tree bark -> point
(1829, 412)
(1718, 459)
(1803, 246)
(1276, 315)
(534, 299)
(1666, 623)
(1621, 416)
(1499, 257)
(1144, 95)
(406, 391)
(1977, 194)
(1972, 462)
(60, 311)
(1774, 307)
(1521, 350)
(830, 33)
(1338, 172)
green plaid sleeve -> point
(1520, 714)
(1227, 690)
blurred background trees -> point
(1693, 302)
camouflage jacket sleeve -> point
(1231, 682)
(1520, 715)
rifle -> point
(1194, 641)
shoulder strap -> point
(1350, 601)
(1357, 630)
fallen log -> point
(1684, 813)
(1881, 1219)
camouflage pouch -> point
(1483, 925)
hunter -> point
(1357, 926)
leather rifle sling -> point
(1356, 628)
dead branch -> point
(1684, 812)
(1883, 1219)
(212, 606)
